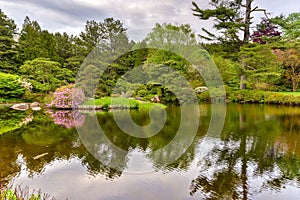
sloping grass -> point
(252, 96)
(289, 93)
(108, 101)
(5, 129)
(11, 100)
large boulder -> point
(20, 106)
(201, 89)
(35, 106)
(155, 99)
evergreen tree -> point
(30, 41)
(63, 45)
(36, 43)
(260, 65)
(72, 51)
(233, 18)
(7, 44)
(49, 44)
(101, 32)
(290, 25)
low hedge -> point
(252, 96)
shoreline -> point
(236, 96)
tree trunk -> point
(242, 83)
(243, 152)
(247, 21)
(295, 85)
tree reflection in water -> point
(261, 149)
(257, 151)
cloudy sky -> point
(139, 16)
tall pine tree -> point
(35, 42)
(8, 51)
(233, 19)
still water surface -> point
(256, 156)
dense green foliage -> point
(248, 96)
(10, 86)
(290, 25)
(47, 61)
(10, 121)
(45, 75)
(271, 131)
(7, 44)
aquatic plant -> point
(7, 193)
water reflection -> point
(253, 155)
(257, 156)
(66, 117)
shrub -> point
(213, 95)
(67, 97)
(31, 97)
(253, 96)
(10, 87)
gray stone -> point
(20, 106)
(200, 89)
(34, 104)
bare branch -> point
(260, 10)
(254, 9)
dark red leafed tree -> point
(264, 29)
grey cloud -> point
(55, 14)
(71, 15)
(66, 7)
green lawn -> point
(11, 100)
(289, 93)
(106, 101)
(4, 129)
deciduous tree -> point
(45, 75)
(290, 58)
(265, 30)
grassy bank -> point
(9, 101)
(234, 96)
(107, 102)
(252, 96)
(290, 93)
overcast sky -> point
(139, 16)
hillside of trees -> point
(263, 57)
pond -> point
(255, 156)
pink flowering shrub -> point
(67, 118)
(67, 97)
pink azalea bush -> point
(67, 97)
